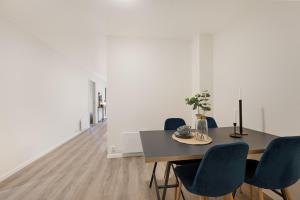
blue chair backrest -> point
(211, 122)
(173, 123)
(222, 170)
(279, 166)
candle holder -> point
(235, 134)
(241, 118)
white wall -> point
(260, 54)
(202, 65)
(148, 80)
(87, 50)
(43, 97)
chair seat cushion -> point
(186, 173)
(185, 162)
(250, 170)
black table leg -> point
(167, 174)
(156, 187)
(165, 186)
(153, 173)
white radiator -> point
(131, 143)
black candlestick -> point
(234, 134)
(234, 128)
(241, 117)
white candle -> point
(240, 93)
(235, 115)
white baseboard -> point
(114, 155)
(124, 155)
(28, 162)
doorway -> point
(92, 102)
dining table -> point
(159, 146)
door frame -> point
(92, 94)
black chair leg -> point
(152, 176)
(175, 173)
(283, 194)
(234, 193)
(177, 181)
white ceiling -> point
(124, 17)
(74, 27)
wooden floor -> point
(79, 170)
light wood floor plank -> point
(79, 170)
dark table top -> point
(159, 145)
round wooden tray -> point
(206, 140)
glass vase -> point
(201, 127)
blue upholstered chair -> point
(211, 122)
(172, 124)
(278, 168)
(219, 173)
